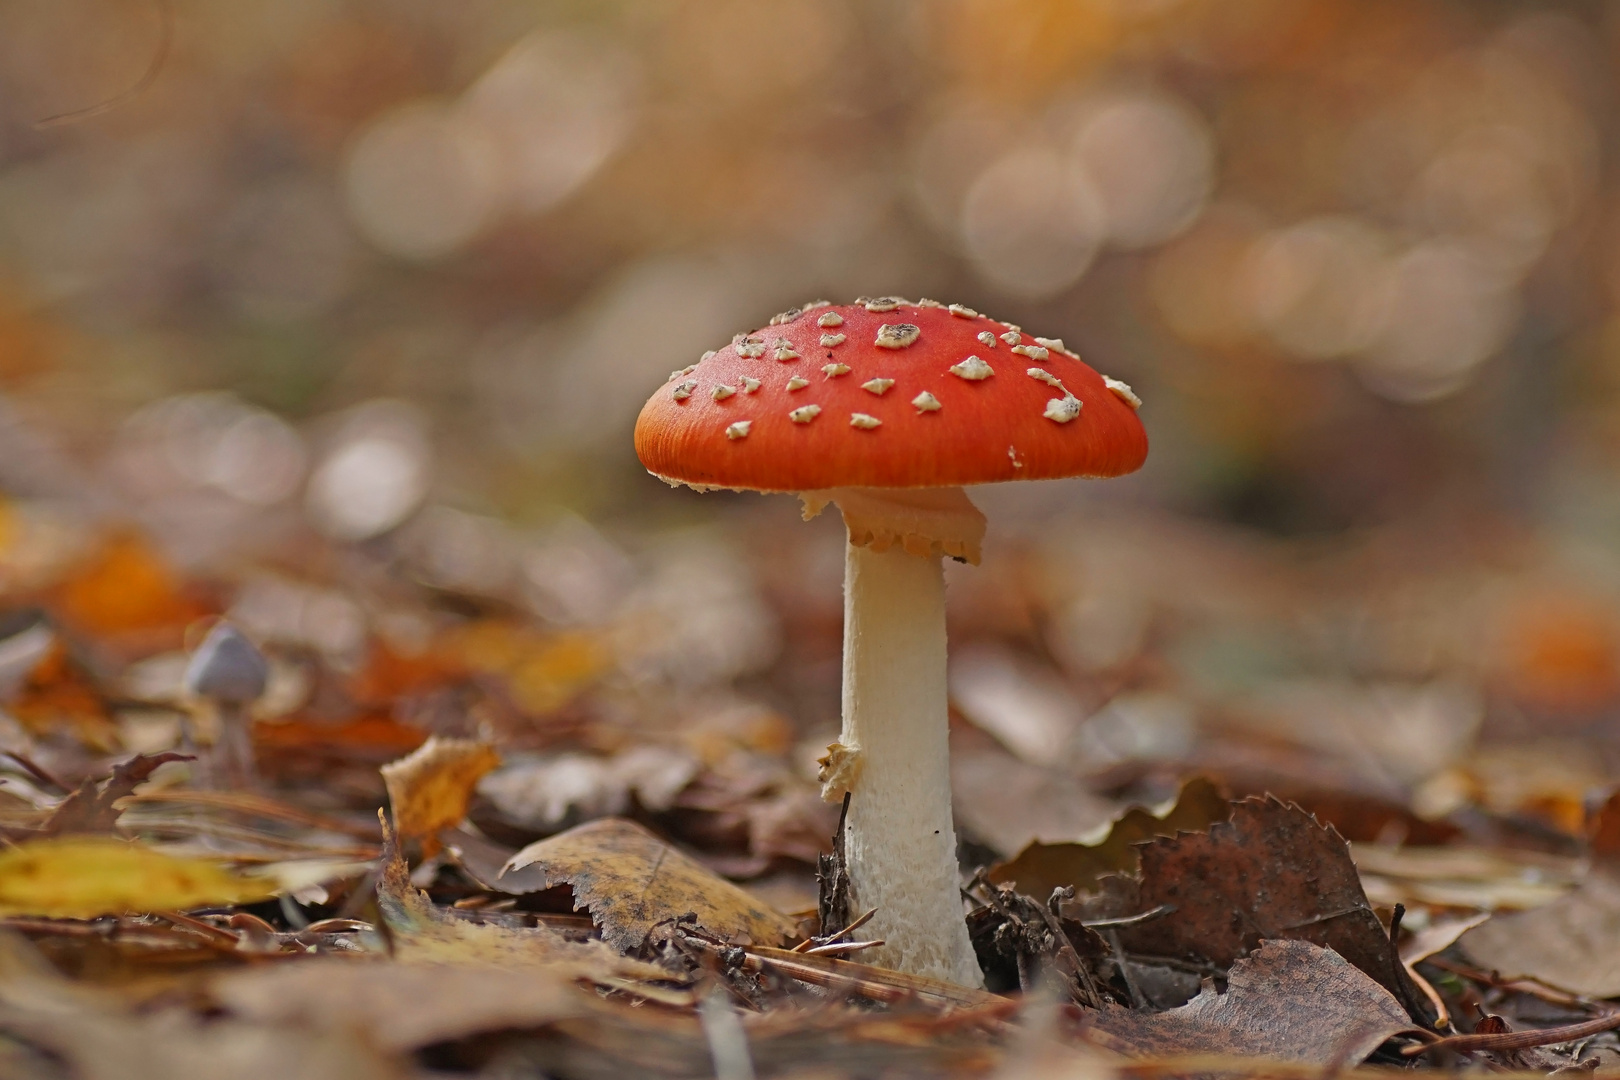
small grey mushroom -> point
(228, 673)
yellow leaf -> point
(85, 876)
(631, 881)
(422, 933)
(429, 788)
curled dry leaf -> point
(83, 877)
(429, 788)
(1040, 868)
(398, 1007)
(1270, 872)
(1288, 1001)
(423, 933)
(630, 881)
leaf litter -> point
(597, 863)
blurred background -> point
(341, 325)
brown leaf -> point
(89, 808)
(89, 1034)
(398, 1007)
(1009, 803)
(1289, 1001)
(1270, 872)
(630, 881)
(1572, 943)
(1462, 877)
(1040, 868)
(429, 788)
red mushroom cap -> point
(887, 393)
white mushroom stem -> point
(894, 754)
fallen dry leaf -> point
(1572, 943)
(90, 807)
(1270, 872)
(1040, 868)
(398, 1007)
(630, 881)
(127, 588)
(83, 877)
(429, 788)
(1008, 803)
(1438, 936)
(547, 794)
(421, 932)
(1288, 1001)
(1462, 877)
(52, 1026)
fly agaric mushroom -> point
(887, 408)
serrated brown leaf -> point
(1288, 1001)
(1040, 868)
(1271, 872)
(89, 808)
(630, 881)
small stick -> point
(1137, 999)
(1128, 921)
(34, 770)
(810, 944)
(165, 13)
(1520, 984)
(207, 930)
(841, 948)
(1054, 926)
(1414, 1008)
(1520, 1040)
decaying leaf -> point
(90, 807)
(52, 1026)
(423, 933)
(1572, 943)
(1462, 877)
(1270, 872)
(630, 881)
(397, 1006)
(1008, 803)
(1040, 868)
(429, 788)
(549, 793)
(82, 877)
(1288, 1001)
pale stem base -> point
(900, 843)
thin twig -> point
(815, 941)
(35, 771)
(842, 948)
(1128, 921)
(1397, 971)
(1521, 1040)
(1137, 999)
(1054, 926)
(165, 12)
